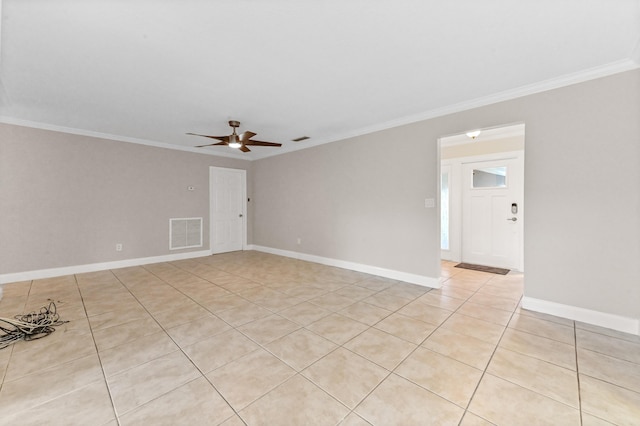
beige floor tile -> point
(37, 357)
(332, 301)
(387, 301)
(221, 303)
(441, 375)
(441, 301)
(406, 290)
(552, 351)
(203, 328)
(354, 420)
(609, 369)
(118, 317)
(301, 348)
(243, 314)
(365, 313)
(235, 420)
(295, 402)
(464, 284)
(380, 347)
(502, 402)
(87, 405)
(425, 312)
(346, 376)
(111, 337)
(37, 389)
(474, 327)
(507, 292)
(196, 402)
(471, 419)
(139, 385)
(609, 402)
(304, 313)
(337, 328)
(258, 293)
(466, 349)
(136, 352)
(279, 302)
(182, 315)
(354, 292)
(103, 305)
(248, 378)
(455, 292)
(211, 353)
(589, 420)
(618, 348)
(496, 316)
(375, 284)
(5, 355)
(543, 328)
(494, 301)
(397, 401)
(268, 329)
(539, 376)
(608, 332)
(407, 328)
(306, 292)
(547, 317)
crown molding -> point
(117, 138)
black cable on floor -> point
(31, 326)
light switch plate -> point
(429, 203)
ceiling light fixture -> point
(473, 134)
(234, 142)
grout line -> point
(95, 345)
(575, 342)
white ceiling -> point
(148, 71)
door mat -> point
(481, 268)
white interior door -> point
(492, 215)
(228, 212)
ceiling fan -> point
(236, 141)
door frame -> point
(243, 179)
(455, 201)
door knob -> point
(513, 219)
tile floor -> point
(256, 339)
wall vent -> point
(185, 233)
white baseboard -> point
(602, 319)
(373, 270)
(93, 267)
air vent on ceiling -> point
(185, 233)
(301, 138)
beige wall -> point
(66, 200)
(362, 199)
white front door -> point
(492, 201)
(228, 213)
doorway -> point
(482, 197)
(227, 195)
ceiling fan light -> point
(234, 142)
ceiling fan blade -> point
(220, 138)
(247, 135)
(260, 143)
(211, 144)
(244, 149)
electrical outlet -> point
(299, 241)
(118, 247)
